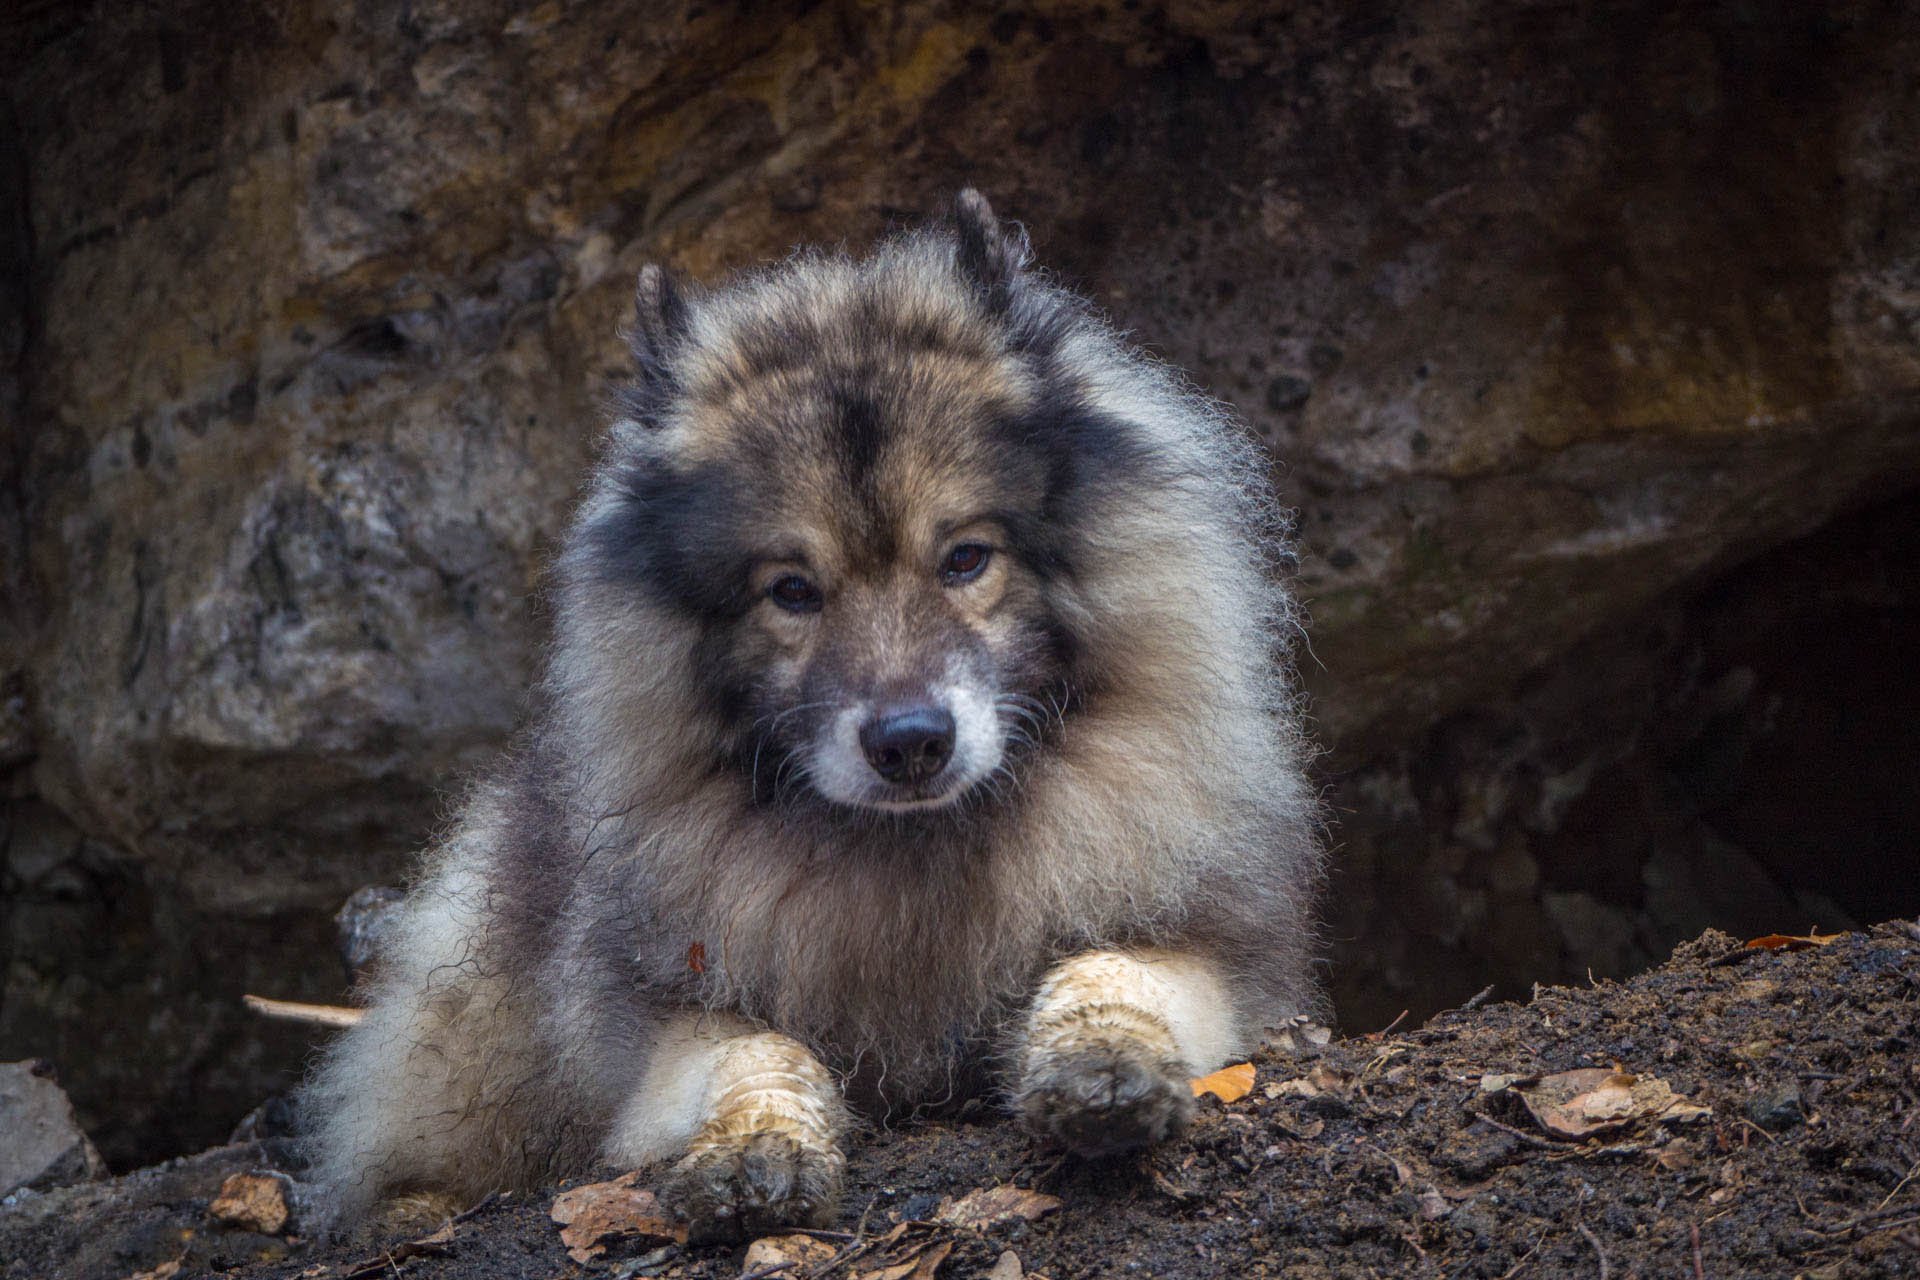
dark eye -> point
(964, 563)
(794, 594)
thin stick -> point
(1480, 997)
(1522, 1134)
(1898, 1189)
(1390, 1026)
(1699, 1272)
(1595, 1242)
(324, 1015)
(771, 1269)
(1514, 1270)
(857, 1244)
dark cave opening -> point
(1744, 756)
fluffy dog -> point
(916, 724)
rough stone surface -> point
(307, 312)
(40, 1145)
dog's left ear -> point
(990, 257)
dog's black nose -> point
(908, 744)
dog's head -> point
(871, 487)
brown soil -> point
(1399, 1165)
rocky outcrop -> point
(40, 1145)
(1547, 312)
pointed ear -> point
(989, 257)
(661, 318)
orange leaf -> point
(1229, 1084)
(697, 956)
(1794, 942)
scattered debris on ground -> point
(1739, 1111)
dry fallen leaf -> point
(1794, 942)
(991, 1206)
(1006, 1267)
(1321, 1079)
(784, 1251)
(1675, 1156)
(252, 1202)
(161, 1272)
(922, 1264)
(1574, 1104)
(1331, 1079)
(1593, 1100)
(1229, 1084)
(593, 1215)
(930, 1261)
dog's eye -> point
(794, 594)
(964, 563)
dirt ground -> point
(1391, 1154)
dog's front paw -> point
(732, 1186)
(1102, 1094)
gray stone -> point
(41, 1146)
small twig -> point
(1699, 1272)
(771, 1269)
(1052, 1168)
(1515, 1268)
(1757, 1129)
(1897, 1212)
(1898, 1187)
(1521, 1134)
(1480, 997)
(325, 1015)
(1595, 1242)
(458, 1218)
(1375, 1035)
(858, 1244)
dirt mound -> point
(1739, 1112)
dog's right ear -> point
(661, 318)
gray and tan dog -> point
(917, 723)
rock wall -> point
(307, 313)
